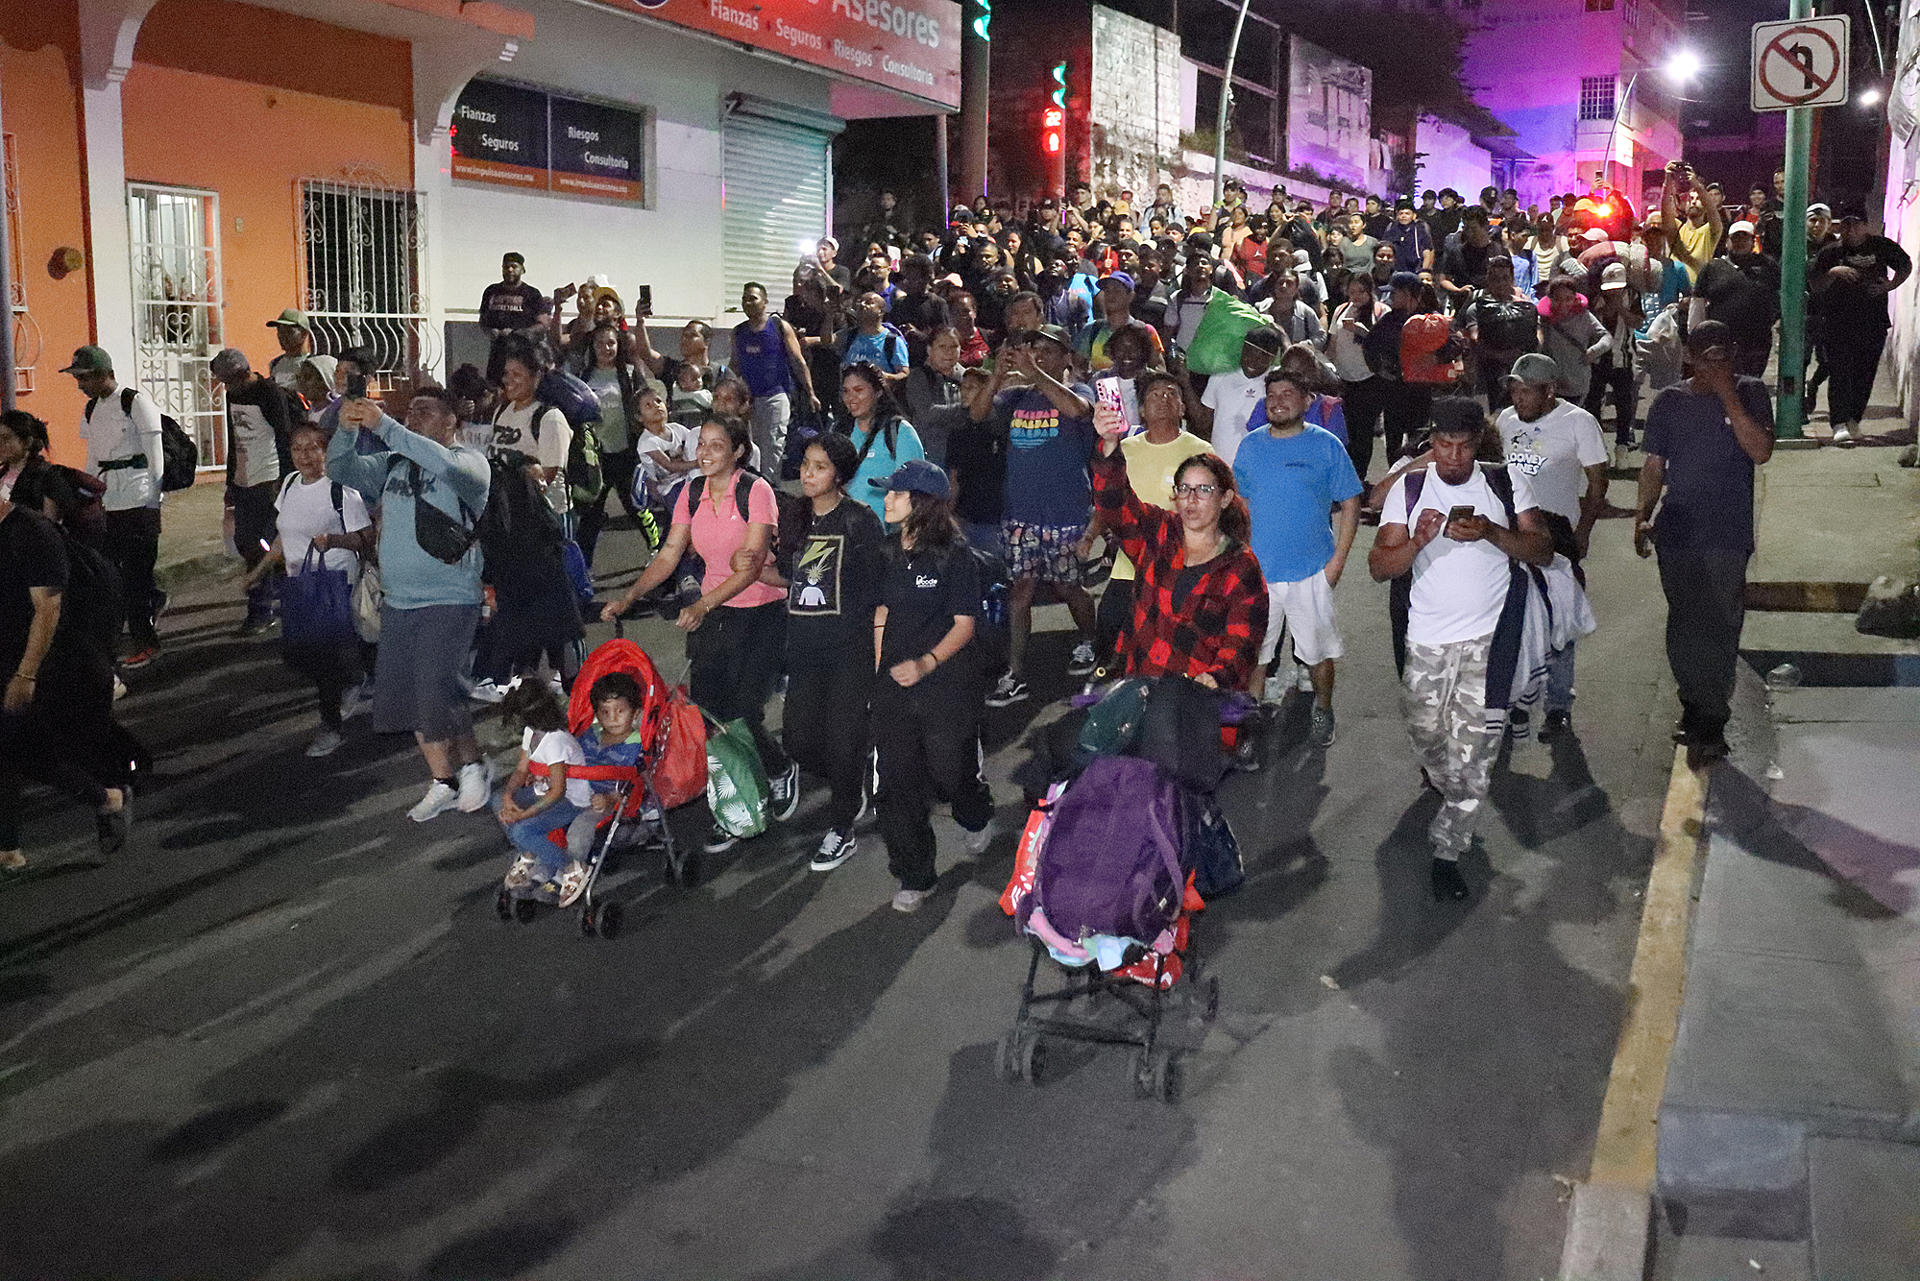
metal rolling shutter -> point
(777, 176)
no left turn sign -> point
(1800, 63)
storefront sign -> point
(909, 45)
(500, 135)
(513, 136)
(595, 150)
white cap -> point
(1614, 276)
(1738, 227)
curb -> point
(195, 569)
(1609, 1221)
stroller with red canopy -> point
(664, 775)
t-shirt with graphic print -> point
(1047, 482)
(1554, 450)
(833, 584)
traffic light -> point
(1053, 132)
(984, 19)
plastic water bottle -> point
(1785, 676)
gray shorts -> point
(416, 677)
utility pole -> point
(7, 375)
(1789, 418)
(976, 65)
(1226, 99)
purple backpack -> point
(1111, 864)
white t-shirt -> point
(557, 747)
(1231, 397)
(513, 429)
(674, 440)
(1554, 450)
(111, 434)
(1459, 588)
(307, 509)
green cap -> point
(292, 316)
(90, 360)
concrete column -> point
(108, 29)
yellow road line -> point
(1627, 1142)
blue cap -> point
(1407, 280)
(1119, 278)
(918, 476)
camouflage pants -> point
(1444, 698)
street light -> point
(1681, 66)
(1869, 97)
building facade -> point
(181, 170)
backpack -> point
(180, 457)
(584, 479)
(995, 584)
(1111, 864)
(90, 608)
(1400, 591)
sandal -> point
(520, 875)
(573, 883)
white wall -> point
(1451, 160)
(672, 242)
(1135, 102)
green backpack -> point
(736, 781)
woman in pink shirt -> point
(727, 515)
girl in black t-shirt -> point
(830, 557)
(927, 693)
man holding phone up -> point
(1452, 538)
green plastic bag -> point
(736, 780)
(1112, 726)
(1223, 331)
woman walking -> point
(736, 627)
(928, 686)
(882, 439)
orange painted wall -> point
(40, 98)
(246, 102)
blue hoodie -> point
(450, 478)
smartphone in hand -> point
(356, 386)
(643, 300)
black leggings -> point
(1406, 407)
(1364, 405)
(589, 518)
(736, 654)
(824, 727)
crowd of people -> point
(1006, 399)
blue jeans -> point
(529, 835)
(1560, 679)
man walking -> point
(1704, 438)
(767, 353)
(122, 432)
(1292, 475)
(259, 453)
(1452, 538)
(508, 306)
(1743, 290)
(1852, 278)
(1559, 446)
(432, 605)
(296, 344)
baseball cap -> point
(1594, 234)
(1819, 208)
(1406, 280)
(1118, 278)
(291, 316)
(1742, 226)
(1535, 369)
(1614, 276)
(918, 476)
(1852, 212)
(1055, 334)
(228, 362)
(1402, 203)
(90, 360)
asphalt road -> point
(283, 1034)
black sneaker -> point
(1559, 724)
(719, 840)
(783, 793)
(835, 849)
(1009, 690)
(1448, 885)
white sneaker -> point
(352, 703)
(1842, 436)
(119, 688)
(439, 799)
(485, 691)
(835, 849)
(977, 842)
(1620, 462)
(476, 785)
(1083, 661)
(1275, 689)
(908, 900)
(325, 743)
(1303, 678)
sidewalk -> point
(1789, 1132)
(192, 543)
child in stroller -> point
(542, 797)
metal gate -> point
(776, 194)
(363, 271)
(176, 308)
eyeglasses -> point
(1195, 491)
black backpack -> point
(180, 457)
(90, 608)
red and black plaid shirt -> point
(1218, 628)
